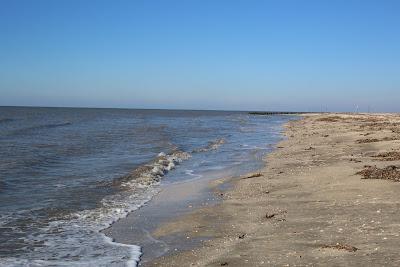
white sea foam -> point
(77, 239)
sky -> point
(307, 55)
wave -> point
(83, 229)
(51, 125)
(6, 120)
(39, 127)
(213, 145)
(153, 171)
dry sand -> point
(308, 206)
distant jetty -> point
(277, 113)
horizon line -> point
(178, 109)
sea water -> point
(68, 173)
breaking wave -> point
(152, 172)
(77, 240)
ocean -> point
(66, 174)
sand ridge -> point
(310, 205)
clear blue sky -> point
(247, 55)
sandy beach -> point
(199, 133)
(327, 197)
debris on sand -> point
(339, 246)
(380, 126)
(388, 156)
(253, 175)
(279, 215)
(368, 140)
(330, 119)
(224, 264)
(389, 173)
(242, 236)
(373, 140)
(270, 216)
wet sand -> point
(309, 206)
(173, 201)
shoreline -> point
(173, 200)
(308, 205)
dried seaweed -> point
(341, 247)
(388, 156)
(374, 140)
(388, 173)
(270, 216)
(253, 175)
(368, 140)
(330, 119)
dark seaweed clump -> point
(368, 140)
(388, 173)
(330, 119)
(342, 247)
(388, 156)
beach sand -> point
(308, 206)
